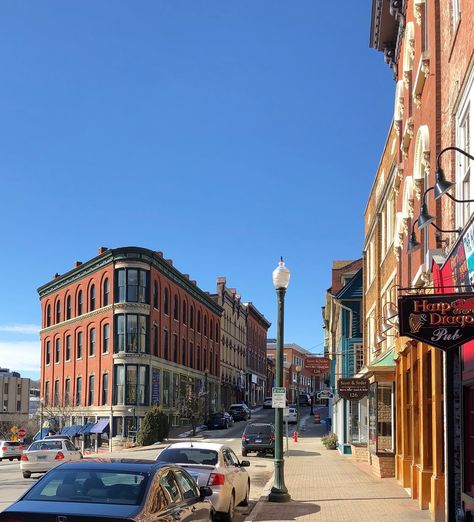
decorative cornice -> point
(132, 308)
(77, 319)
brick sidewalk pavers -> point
(325, 486)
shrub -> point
(330, 441)
(154, 427)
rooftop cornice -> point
(130, 254)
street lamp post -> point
(279, 493)
(298, 404)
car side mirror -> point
(244, 463)
(205, 491)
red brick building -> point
(124, 331)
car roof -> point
(259, 424)
(111, 464)
(196, 445)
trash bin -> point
(328, 424)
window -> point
(469, 440)
(48, 315)
(358, 357)
(170, 488)
(48, 352)
(199, 321)
(166, 389)
(131, 333)
(92, 299)
(166, 301)
(155, 340)
(155, 295)
(68, 307)
(191, 317)
(464, 129)
(90, 401)
(46, 393)
(119, 384)
(142, 384)
(217, 332)
(58, 311)
(175, 348)
(68, 348)
(456, 14)
(79, 303)
(424, 27)
(57, 351)
(105, 338)
(105, 388)
(78, 391)
(191, 355)
(205, 325)
(132, 285)
(56, 392)
(198, 359)
(92, 342)
(67, 392)
(79, 345)
(166, 344)
(370, 262)
(187, 485)
(175, 308)
(106, 293)
(183, 351)
(210, 329)
(131, 384)
(185, 307)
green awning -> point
(386, 359)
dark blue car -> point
(219, 420)
(113, 490)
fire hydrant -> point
(295, 436)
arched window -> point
(175, 348)
(48, 352)
(155, 295)
(199, 321)
(205, 325)
(166, 344)
(78, 391)
(191, 355)
(185, 307)
(175, 307)
(191, 317)
(211, 324)
(68, 307)
(166, 302)
(92, 299)
(79, 345)
(106, 293)
(92, 342)
(198, 358)
(48, 315)
(57, 351)
(183, 351)
(58, 311)
(79, 303)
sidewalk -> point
(325, 486)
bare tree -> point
(58, 413)
(191, 406)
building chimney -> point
(169, 261)
(77, 263)
(55, 276)
(102, 250)
(186, 276)
(193, 282)
(221, 281)
(159, 254)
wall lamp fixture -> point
(414, 244)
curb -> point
(263, 498)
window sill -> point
(106, 353)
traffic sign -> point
(14, 430)
(278, 397)
(325, 394)
(21, 432)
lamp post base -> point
(278, 495)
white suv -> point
(10, 449)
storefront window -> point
(469, 440)
(166, 389)
(358, 422)
(373, 418)
(384, 419)
(175, 389)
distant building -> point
(14, 397)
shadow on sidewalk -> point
(291, 511)
(302, 453)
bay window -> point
(132, 285)
(131, 333)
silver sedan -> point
(213, 465)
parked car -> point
(258, 437)
(240, 411)
(267, 403)
(10, 449)
(220, 419)
(56, 437)
(113, 489)
(43, 455)
(304, 399)
(213, 465)
(291, 417)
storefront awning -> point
(41, 434)
(86, 429)
(386, 361)
(71, 431)
(100, 426)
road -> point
(12, 483)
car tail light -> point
(59, 455)
(245, 437)
(4, 448)
(272, 437)
(24, 457)
(20, 448)
(216, 479)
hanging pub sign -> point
(441, 320)
(353, 389)
(318, 365)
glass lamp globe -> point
(281, 275)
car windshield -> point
(258, 428)
(46, 445)
(97, 487)
(188, 456)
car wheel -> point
(229, 516)
(18, 459)
(26, 474)
(245, 502)
(244, 453)
(11, 459)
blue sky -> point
(224, 134)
